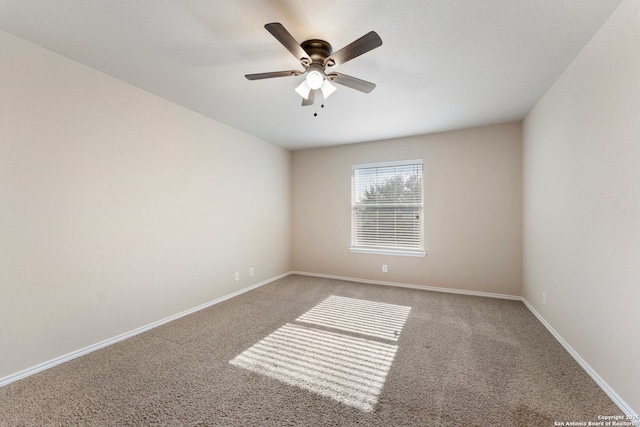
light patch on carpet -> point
(370, 318)
(348, 369)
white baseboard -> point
(407, 285)
(633, 417)
(626, 409)
(81, 352)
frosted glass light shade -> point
(314, 79)
(327, 89)
(303, 89)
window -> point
(387, 208)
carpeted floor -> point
(314, 352)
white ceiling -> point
(443, 65)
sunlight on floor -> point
(355, 315)
(347, 368)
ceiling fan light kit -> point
(327, 88)
(303, 90)
(316, 56)
(314, 77)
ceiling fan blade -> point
(352, 82)
(364, 44)
(310, 99)
(259, 76)
(283, 36)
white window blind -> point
(387, 207)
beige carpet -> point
(313, 352)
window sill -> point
(421, 254)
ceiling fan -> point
(318, 58)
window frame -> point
(381, 250)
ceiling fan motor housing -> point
(318, 50)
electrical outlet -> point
(384, 268)
(544, 298)
(250, 271)
(237, 276)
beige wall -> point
(472, 187)
(118, 208)
(582, 204)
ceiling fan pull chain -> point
(315, 109)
